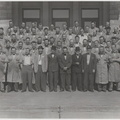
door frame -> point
(92, 19)
(61, 19)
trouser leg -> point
(74, 81)
(104, 86)
(62, 76)
(50, 80)
(110, 86)
(79, 81)
(16, 86)
(85, 81)
(68, 81)
(24, 75)
(43, 81)
(37, 80)
(99, 87)
(30, 77)
(55, 80)
(91, 82)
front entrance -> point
(88, 16)
(31, 15)
(61, 16)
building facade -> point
(59, 12)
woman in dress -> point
(2, 69)
(13, 76)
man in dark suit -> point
(88, 69)
(53, 69)
(65, 62)
(76, 70)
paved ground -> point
(72, 105)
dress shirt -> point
(88, 59)
(27, 60)
(40, 60)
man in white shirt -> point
(27, 71)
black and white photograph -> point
(60, 59)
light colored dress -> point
(14, 74)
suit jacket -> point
(44, 62)
(76, 68)
(76, 32)
(92, 63)
(65, 63)
(53, 63)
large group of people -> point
(67, 59)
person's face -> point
(65, 50)
(101, 40)
(21, 30)
(59, 43)
(46, 42)
(113, 48)
(40, 51)
(107, 24)
(39, 40)
(27, 51)
(11, 24)
(13, 38)
(71, 43)
(33, 24)
(96, 43)
(64, 27)
(52, 40)
(52, 27)
(13, 51)
(64, 37)
(53, 51)
(40, 26)
(27, 41)
(15, 28)
(82, 31)
(89, 38)
(57, 30)
(70, 31)
(76, 24)
(89, 50)
(101, 49)
(108, 30)
(113, 40)
(20, 45)
(100, 28)
(77, 39)
(77, 52)
(33, 31)
(23, 25)
(87, 29)
(108, 44)
(1, 31)
(46, 31)
(92, 25)
(33, 45)
(8, 44)
(84, 42)
(27, 30)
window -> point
(89, 15)
(60, 16)
(31, 15)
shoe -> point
(51, 90)
(31, 91)
(68, 90)
(84, 90)
(16, 90)
(61, 90)
(91, 90)
(55, 90)
(23, 91)
(3, 91)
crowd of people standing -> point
(72, 58)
